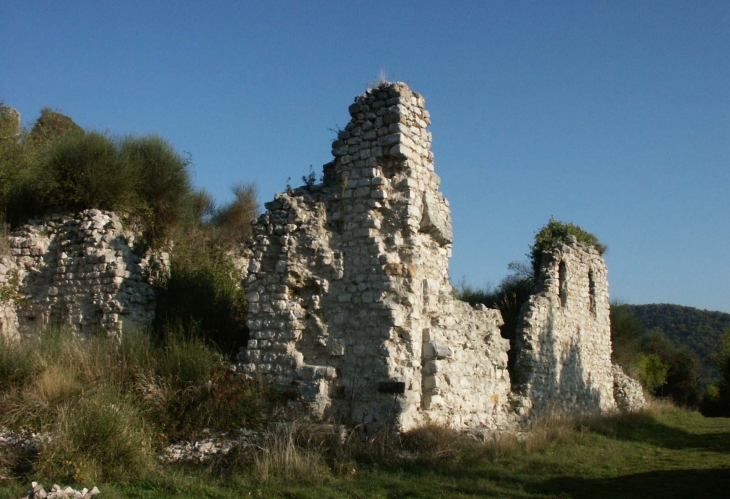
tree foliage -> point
(699, 330)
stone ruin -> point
(349, 296)
(350, 301)
(78, 270)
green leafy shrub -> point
(554, 232)
(85, 171)
(163, 183)
(59, 166)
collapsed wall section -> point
(76, 270)
(349, 296)
(563, 341)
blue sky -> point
(613, 115)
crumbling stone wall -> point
(79, 270)
(563, 342)
(9, 295)
(627, 391)
(348, 288)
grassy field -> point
(665, 452)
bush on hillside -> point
(85, 171)
(60, 167)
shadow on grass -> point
(646, 428)
(712, 483)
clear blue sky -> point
(613, 115)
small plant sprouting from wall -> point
(10, 291)
(309, 179)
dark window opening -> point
(563, 284)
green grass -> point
(666, 452)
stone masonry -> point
(563, 341)
(350, 301)
(348, 286)
(78, 270)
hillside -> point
(699, 329)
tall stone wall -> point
(78, 270)
(563, 343)
(348, 288)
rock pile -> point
(627, 391)
(25, 441)
(214, 445)
(38, 492)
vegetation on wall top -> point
(554, 232)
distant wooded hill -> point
(699, 329)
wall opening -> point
(563, 284)
(592, 291)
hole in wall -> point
(563, 284)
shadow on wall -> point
(559, 385)
(79, 272)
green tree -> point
(716, 399)
(652, 371)
(626, 333)
(681, 382)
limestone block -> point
(435, 350)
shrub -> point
(203, 295)
(164, 183)
(554, 232)
(86, 172)
(232, 222)
(103, 436)
(52, 126)
(58, 166)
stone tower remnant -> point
(350, 301)
(348, 286)
(563, 341)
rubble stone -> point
(79, 270)
(627, 391)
